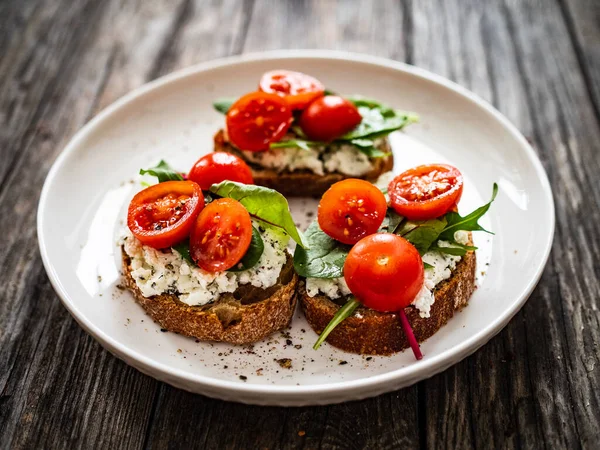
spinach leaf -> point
(324, 258)
(295, 143)
(454, 249)
(163, 172)
(467, 223)
(367, 146)
(264, 204)
(222, 105)
(183, 248)
(421, 233)
(253, 254)
(391, 221)
(378, 121)
(255, 251)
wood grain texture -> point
(535, 385)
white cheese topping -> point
(343, 158)
(442, 267)
(166, 272)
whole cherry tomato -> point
(297, 88)
(329, 117)
(220, 166)
(351, 209)
(163, 214)
(258, 119)
(426, 192)
(221, 235)
(384, 271)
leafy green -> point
(253, 254)
(295, 143)
(222, 105)
(367, 146)
(324, 258)
(378, 120)
(454, 248)
(162, 171)
(467, 223)
(183, 248)
(391, 221)
(421, 233)
(266, 205)
(342, 314)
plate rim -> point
(411, 373)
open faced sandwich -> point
(388, 265)
(300, 139)
(211, 264)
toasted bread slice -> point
(375, 333)
(247, 315)
(302, 183)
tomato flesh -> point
(258, 119)
(221, 235)
(162, 215)
(220, 166)
(351, 209)
(297, 88)
(384, 271)
(329, 117)
(426, 192)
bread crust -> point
(375, 333)
(245, 316)
(302, 183)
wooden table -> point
(537, 384)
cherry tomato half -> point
(297, 88)
(351, 209)
(329, 117)
(162, 215)
(221, 235)
(384, 271)
(426, 192)
(257, 119)
(220, 166)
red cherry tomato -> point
(221, 235)
(297, 88)
(384, 272)
(220, 166)
(257, 119)
(351, 209)
(329, 117)
(426, 192)
(162, 215)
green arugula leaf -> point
(266, 205)
(295, 143)
(378, 121)
(222, 105)
(183, 248)
(253, 254)
(467, 223)
(342, 314)
(391, 221)
(324, 258)
(454, 249)
(421, 233)
(367, 146)
(427, 266)
(163, 172)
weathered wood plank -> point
(58, 388)
(583, 21)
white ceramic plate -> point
(85, 197)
